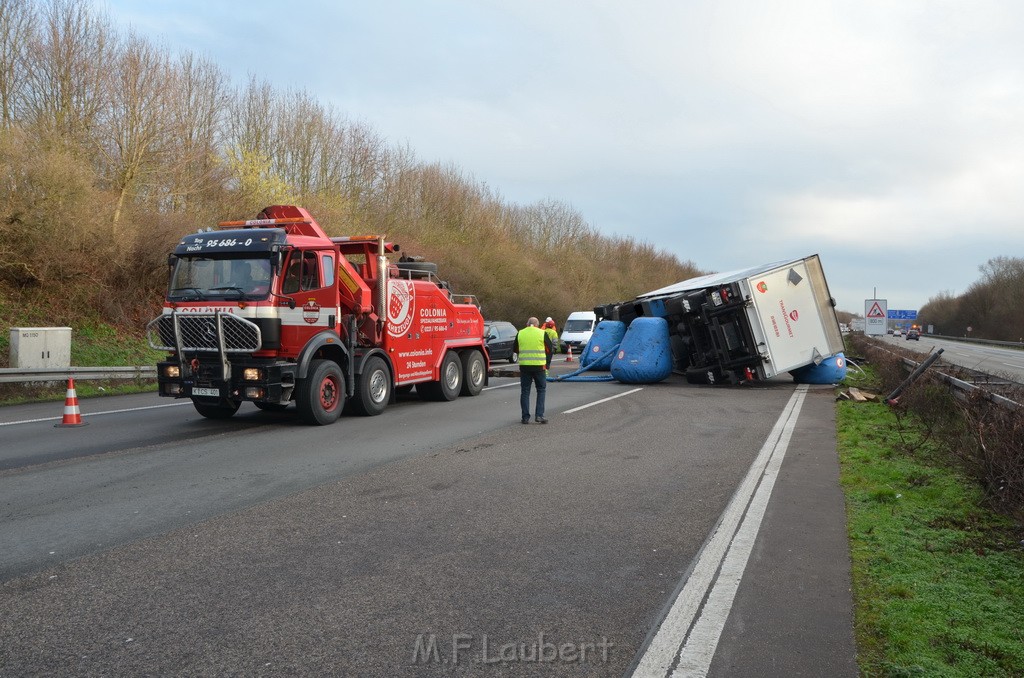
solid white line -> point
(669, 641)
(95, 414)
(602, 400)
(696, 655)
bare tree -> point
(136, 124)
(67, 60)
(197, 100)
(17, 25)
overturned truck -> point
(743, 325)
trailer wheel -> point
(222, 409)
(320, 396)
(373, 388)
(474, 371)
(451, 380)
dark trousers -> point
(532, 375)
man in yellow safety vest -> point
(535, 349)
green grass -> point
(938, 579)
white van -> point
(577, 331)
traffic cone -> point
(568, 356)
(71, 415)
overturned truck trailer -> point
(744, 325)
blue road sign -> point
(897, 314)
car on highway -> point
(500, 337)
(914, 334)
(897, 333)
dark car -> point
(914, 334)
(501, 340)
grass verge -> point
(93, 343)
(938, 579)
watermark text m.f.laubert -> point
(428, 648)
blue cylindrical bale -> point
(602, 345)
(645, 354)
(831, 370)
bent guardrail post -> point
(913, 376)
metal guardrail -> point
(960, 388)
(13, 375)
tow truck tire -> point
(223, 409)
(474, 372)
(373, 388)
(320, 397)
(449, 386)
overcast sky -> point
(887, 137)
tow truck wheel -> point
(321, 395)
(449, 386)
(222, 409)
(373, 389)
(474, 371)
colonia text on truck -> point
(273, 310)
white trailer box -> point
(752, 323)
(46, 347)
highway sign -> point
(897, 314)
(874, 316)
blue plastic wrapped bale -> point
(602, 345)
(645, 355)
(831, 370)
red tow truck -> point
(273, 310)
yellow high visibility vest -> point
(553, 336)
(531, 346)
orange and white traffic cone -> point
(568, 356)
(72, 417)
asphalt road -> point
(995, 360)
(435, 539)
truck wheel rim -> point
(476, 373)
(329, 393)
(378, 386)
(451, 375)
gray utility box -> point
(46, 347)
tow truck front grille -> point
(199, 333)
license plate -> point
(199, 391)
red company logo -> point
(401, 307)
(762, 287)
(794, 315)
(311, 311)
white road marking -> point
(95, 414)
(689, 645)
(491, 388)
(602, 400)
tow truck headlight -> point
(251, 374)
(253, 392)
(172, 371)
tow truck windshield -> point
(201, 278)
